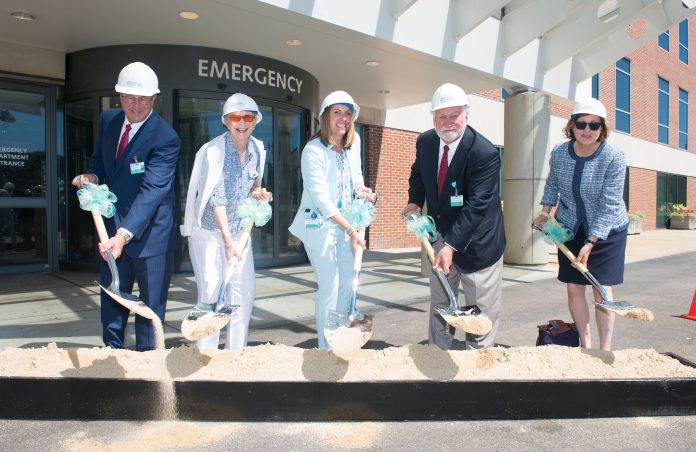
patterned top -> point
(587, 191)
(344, 183)
(234, 185)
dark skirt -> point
(606, 262)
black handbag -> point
(558, 332)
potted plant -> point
(680, 217)
(635, 220)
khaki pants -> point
(482, 288)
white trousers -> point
(483, 288)
(333, 269)
(207, 252)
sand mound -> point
(282, 363)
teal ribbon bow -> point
(422, 225)
(360, 214)
(554, 233)
(254, 212)
(97, 198)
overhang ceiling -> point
(548, 45)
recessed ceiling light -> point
(22, 16)
(190, 15)
(294, 42)
(372, 63)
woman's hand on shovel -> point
(356, 241)
(231, 251)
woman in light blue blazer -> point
(332, 177)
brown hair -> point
(324, 132)
(568, 129)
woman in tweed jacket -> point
(585, 185)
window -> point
(662, 111)
(663, 41)
(623, 95)
(595, 86)
(684, 41)
(683, 119)
(504, 94)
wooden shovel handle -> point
(571, 257)
(428, 249)
(101, 229)
(357, 257)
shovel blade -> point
(200, 324)
(131, 302)
(345, 334)
(469, 319)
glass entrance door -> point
(25, 244)
(283, 131)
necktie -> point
(442, 172)
(123, 143)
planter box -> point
(635, 227)
(684, 222)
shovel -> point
(468, 318)
(346, 332)
(99, 201)
(621, 307)
(199, 324)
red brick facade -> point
(389, 154)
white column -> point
(525, 166)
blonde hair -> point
(324, 132)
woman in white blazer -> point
(226, 170)
(331, 177)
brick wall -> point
(389, 154)
(641, 195)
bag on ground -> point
(558, 332)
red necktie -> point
(123, 143)
(442, 173)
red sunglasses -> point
(234, 117)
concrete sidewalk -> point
(64, 307)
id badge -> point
(312, 219)
(457, 201)
(137, 167)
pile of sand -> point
(282, 363)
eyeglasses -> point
(234, 117)
(142, 100)
(581, 125)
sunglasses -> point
(580, 125)
(234, 117)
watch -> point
(127, 236)
(593, 242)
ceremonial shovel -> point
(346, 332)
(553, 234)
(99, 200)
(468, 318)
(199, 324)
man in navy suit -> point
(136, 156)
(457, 173)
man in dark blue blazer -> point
(456, 173)
(136, 156)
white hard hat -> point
(448, 95)
(590, 106)
(137, 79)
(340, 97)
(240, 102)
